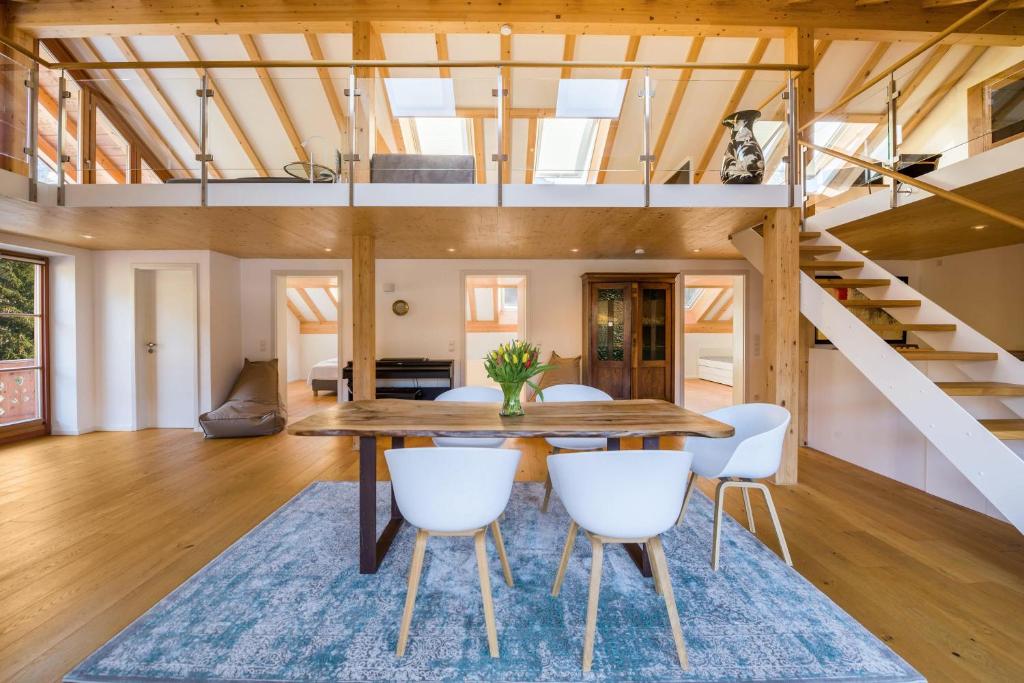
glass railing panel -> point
(694, 138)
(14, 98)
(859, 130)
(298, 133)
(960, 100)
(420, 128)
(578, 126)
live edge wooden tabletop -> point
(397, 417)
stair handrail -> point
(967, 202)
(900, 63)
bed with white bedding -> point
(324, 376)
(715, 365)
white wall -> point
(434, 325)
(225, 325)
(314, 348)
(293, 362)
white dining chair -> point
(453, 492)
(470, 395)
(753, 452)
(570, 392)
(621, 497)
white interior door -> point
(165, 335)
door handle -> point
(150, 346)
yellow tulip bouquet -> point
(512, 365)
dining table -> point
(398, 419)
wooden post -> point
(364, 330)
(782, 326)
(86, 136)
(364, 122)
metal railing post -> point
(794, 155)
(647, 157)
(62, 130)
(204, 158)
(891, 95)
(502, 156)
(352, 92)
(32, 131)
(803, 186)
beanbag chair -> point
(253, 407)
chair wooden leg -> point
(660, 562)
(654, 572)
(570, 542)
(547, 494)
(419, 548)
(499, 543)
(778, 525)
(592, 600)
(717, 533)
(485, 590)
(691, 483)
(749, 509)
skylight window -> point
(431, 97)
(565, 148)
(590, 98)
(443, 135)
(690, 296)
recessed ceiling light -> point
(451, 250)
(639, 251)
(980, 227)
(574, 250)
(505, 30)
(327, 249)
(696, 251)
(865, 251)
(88, 237)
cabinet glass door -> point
(653, 324)
(610, 323)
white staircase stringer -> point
(989, 464)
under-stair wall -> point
(907, 379)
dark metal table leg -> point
(372, 549)
(638, 551)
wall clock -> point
(400, 307)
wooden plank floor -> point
(96, 529)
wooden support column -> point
(364, 121)
(781, 326)
(86, 137)
(364, 329)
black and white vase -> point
(743, 163)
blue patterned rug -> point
(286, 603)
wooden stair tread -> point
(1007, 430)
(809, 235)
(914, 327)
(881, 303)
(981, 388)
(820, 249)
(830, 265)
(836, 282)
(933, 354)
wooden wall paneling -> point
(781, 326)
(364, 330)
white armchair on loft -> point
(570, 392)
(753, 452)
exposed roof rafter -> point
(263, 74)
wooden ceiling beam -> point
(128, 53)
(866, 69)
(102, 158)
(221, 102)
(49, 150)
(632, 47)
(678, 92)
(756, 55)
(308, 300)
(327, 83)
(377, 52)
(111, 111)
(441, 43)
(132, 17)
(296, 312)
(253, 51)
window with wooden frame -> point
(24, 346)
(995, 110)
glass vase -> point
(511, 405)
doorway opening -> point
(713, 341)
(307, 347)
(166, 346)
(495, 313)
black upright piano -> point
(410, 371)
